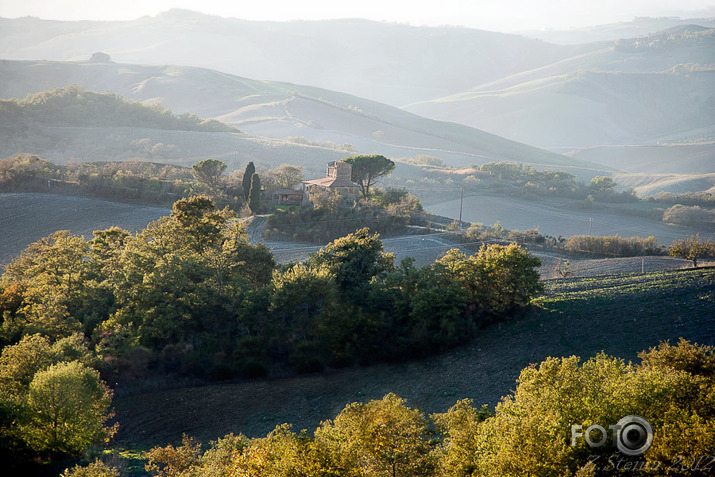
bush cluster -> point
(613, 245)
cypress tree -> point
(254, 196)
(247, 175)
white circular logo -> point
(634, 435)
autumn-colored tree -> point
(171, 461)
(531, 432)
(381, 438)
(693, 248)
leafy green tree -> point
(56, 260)
(20, 362)
(432, 310)
(499, 278)
(301, 299)
(693, 248)
(210, 173)
(69, 406)
(200, 221)
(254, 194)
(366, 169)
(51, 272)
(354, 259)
(247, 175)
(299, 295)
(184, 277)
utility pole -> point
(461, 201)
(590, 222)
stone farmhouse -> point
(338, 179)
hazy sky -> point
(499, 15)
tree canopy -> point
(367, 168)
(210, 173)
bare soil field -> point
(27, 217)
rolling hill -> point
(640, 82)
(639, 26)
(310, 118)
(638, 91)
(391, 63)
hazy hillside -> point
(630, 92)
(639, 26)
(391, 63)
(630, 83)
(309, 117)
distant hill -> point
(293, 116)
(645, 82)
(636, 91)
(391, 63)
(640, 26)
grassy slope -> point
(276, 110)
(603, 96)
(670, 159)
(387, 62)
(620, 315)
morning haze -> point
(218, 222)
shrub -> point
(689, 215)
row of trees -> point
(146, 182)
(529, 433)
(76, 106)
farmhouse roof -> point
(331, 182)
